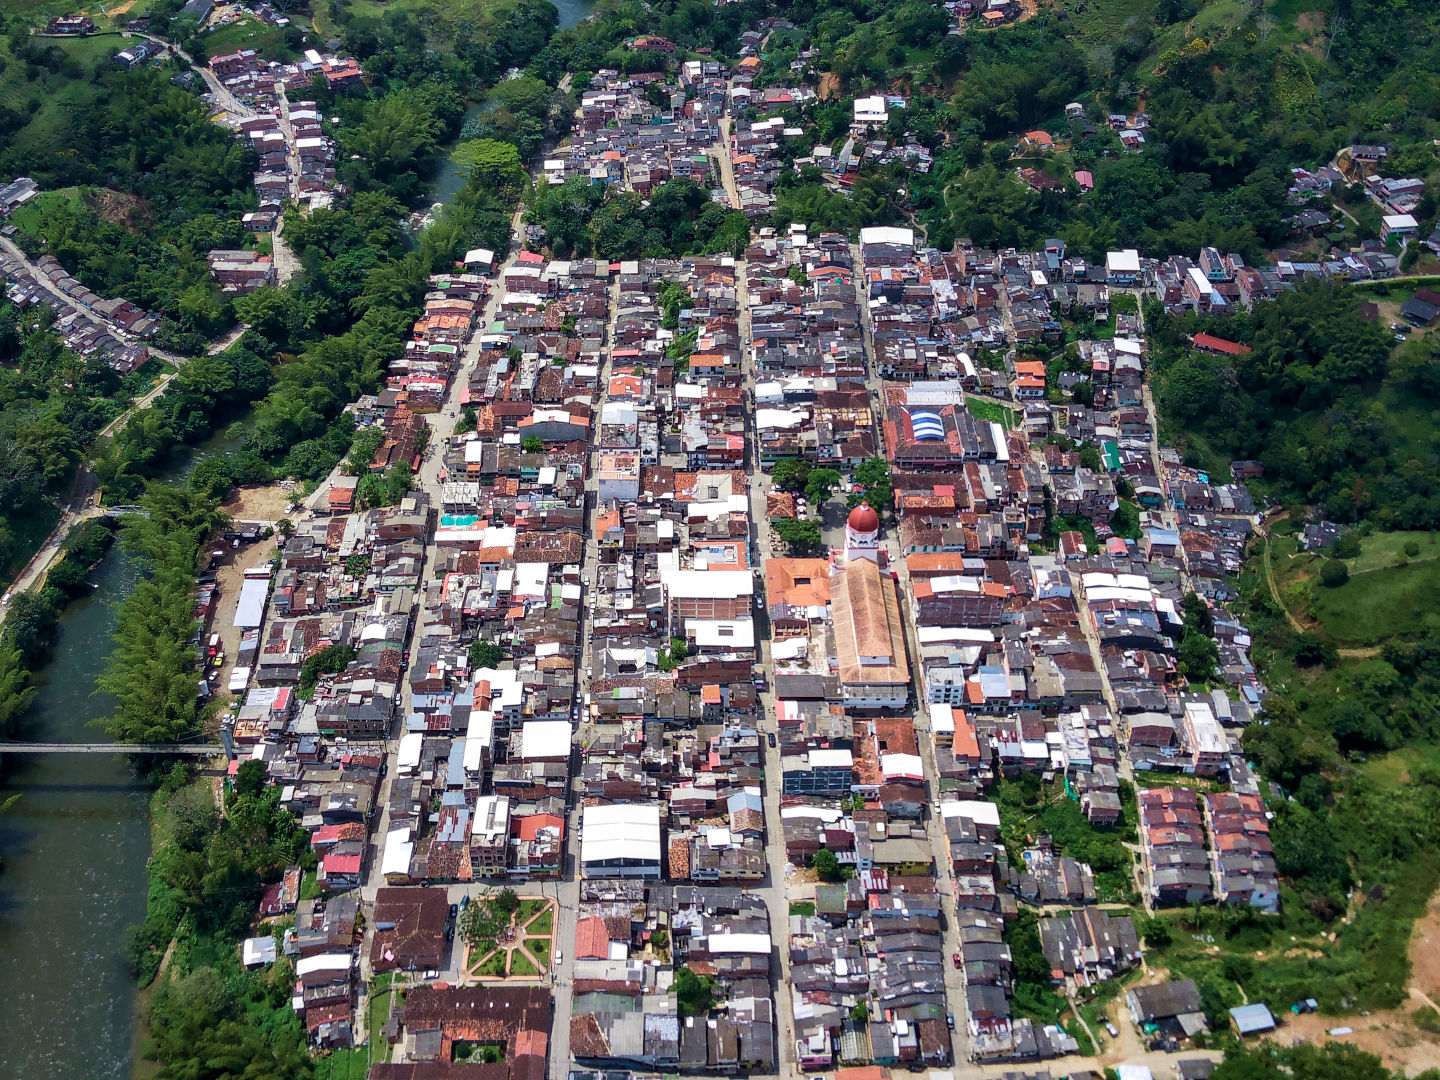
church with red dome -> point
(862, 534)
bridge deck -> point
(191, 749)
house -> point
(1252, 1019)
(1419, 312)
(71, 25)
(621, 840)
(1401, 225)
(1122, 267)
(16, 194)
(409, 929)
(1320, 535)
(871, 110)
(1210, 343)
(1170, 1008)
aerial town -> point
(817, 659)
(578, 662)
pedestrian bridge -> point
(188, 749)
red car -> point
(956, 958)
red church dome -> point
(863, 520)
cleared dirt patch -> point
(266, 502)
(1391, 1034)
(120, 208)
(1425, 951)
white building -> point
(621, 840)
(871, 110)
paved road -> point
(727, 175)
(775, 889)
(569, 889)
(222, 97)
(46, 282)
(934, 828)
(442, 427)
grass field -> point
(1398, 766)
(994, 411)
(1380, 604)
(53, 102)
(343, 1065)
(1383, 550)
(30, 217)
(248, 33)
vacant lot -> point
(994, 411)
(1380, 604)
(248, 33)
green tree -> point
(485, 654)
(696, 993)
(790, 474)
(1196, 615)
(250, 779)
(15, 692)
(491, 164)
(820, 483)
(330, 660)
(1156, 932)
(873, 475)
(1333, 573)
(1197, 658)
(366, 441)
(826, 864)
(798, 534)
(672, 657)
(30, 626)
(533, 444)
(505, 902)
(1303, 1061)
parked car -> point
(1112, 1029)
(950, 1021)
(955, 959)
(771, 737)
(454, 910)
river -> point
(450, 177)
(75, 846)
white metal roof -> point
(886, 234)
(540, 739)
(621, 831)
(250, 608)
(1126, 261)
(398, 850)
(324, 962)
